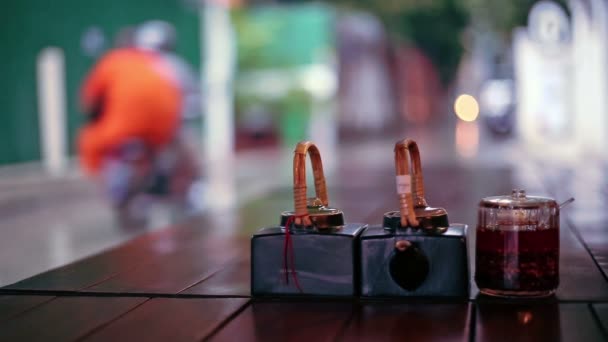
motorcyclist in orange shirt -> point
(133, 102)
(129, 94)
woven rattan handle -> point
(404, 184)
(299, 180)
(417, 178)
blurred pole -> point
(590, 74)
(546, 82)
(583, 75)
(51, 109)
(321, 82)
(218, 52)
(219, 59)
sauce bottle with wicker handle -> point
(313, 251)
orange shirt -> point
(140, 99)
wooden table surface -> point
(190, 282)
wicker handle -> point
(417, 178)
(404, 184)
(299, 180)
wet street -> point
(54, 221)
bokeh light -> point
(466, 108)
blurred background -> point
(478, 83)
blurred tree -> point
(265, 33)
(437, 32)
(275, 44)
(434, 26)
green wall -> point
(28, 26)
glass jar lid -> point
(518, 200)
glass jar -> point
(517, 248)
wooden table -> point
(191, 282)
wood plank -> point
(592, 230)
(11, 306)
(601, 310)
(92, 270)
(580, 279)
(171, 319)
(411, 322)
(234, 280)
(66, 318)
(86, 272)
(587, 214)
(287, 321)
(542, 321)
(599, 251)
(176, 272)
(147, 249)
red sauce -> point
(509, 260)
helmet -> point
(155, 35)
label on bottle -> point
(404, 184)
